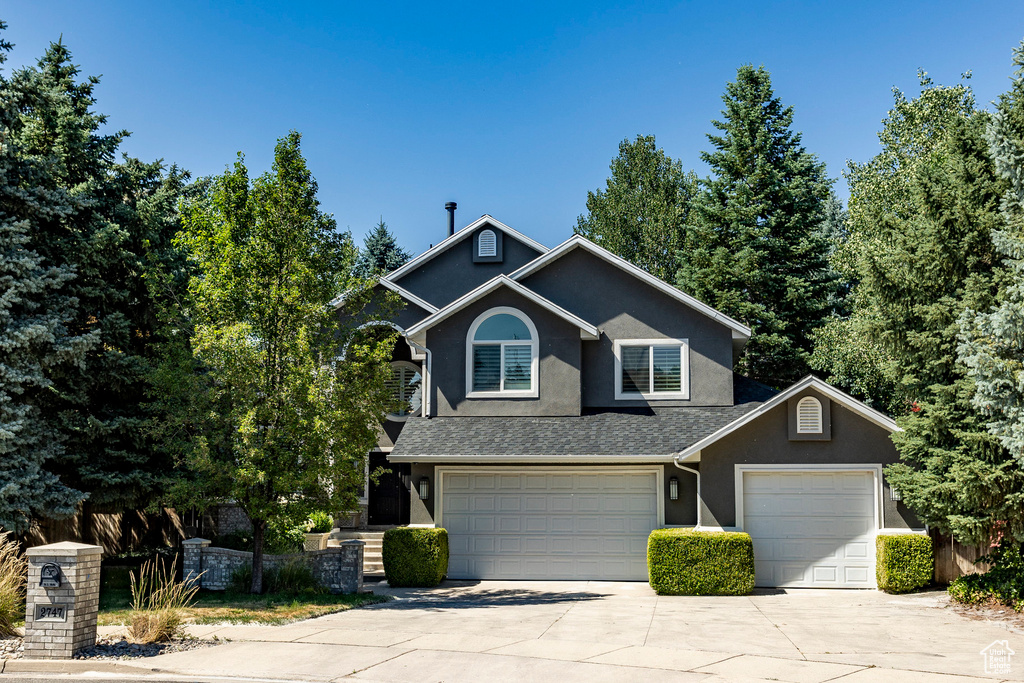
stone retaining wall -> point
(339, 569)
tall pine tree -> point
(380, 254)
(34, 307)
(642, 212)
(117, 235)
(756, 248)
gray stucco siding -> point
(452, 273)
(558, 373)
(624, 307)
(765, 441)
(407, 315)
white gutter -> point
(675, 461)
(426, 374)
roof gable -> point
(458, 237)
(840, 397)
(587, 330)
(740, 331)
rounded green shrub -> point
(415, 556)
(320, 522)
(903, 562)
(689, 562)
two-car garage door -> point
(549, 523)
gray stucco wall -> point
(407, 315)
(623, 307)
(766, 441)
(558, 372)
(449, 275)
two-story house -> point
(562, 403)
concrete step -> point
(361, 535)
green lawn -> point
(213, 607)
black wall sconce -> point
(673, 488)
(424, 488)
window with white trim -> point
(487, 244)
(501, 355)
(808, 416)
(406, 386)
(652, 369)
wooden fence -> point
(954, 559)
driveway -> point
(591, 631)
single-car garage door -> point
(811, 528)
(549, 523)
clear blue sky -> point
(511, 109)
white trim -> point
(810, 381)
(684, 370)
(460, 235)
(439, 473)
(874, 468)
(532, 392)
(589, 459)
(391, 417)
(401, 291)
(587, 331)
(739, 329)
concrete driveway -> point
(579, 631)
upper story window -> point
(652, 369)
(406, 385)
(487, 244)
(501, 355)
(808, 416)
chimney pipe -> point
(450, 208)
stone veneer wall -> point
(339, 569)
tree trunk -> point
(259, 528)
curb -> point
(73, 666)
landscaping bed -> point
(230, 607)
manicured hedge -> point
(415, 556)
(903, 562)
(688, 562)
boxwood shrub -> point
(903, 562)
(688, 562)
(415, 556)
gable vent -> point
(487, 244)
(808, 416)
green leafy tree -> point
(992, 342)
(271, 417)
(756, 248)
(381, 253)
(34, 306)
(116, 234)
(642, 212)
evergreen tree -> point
(277, 421)
(381, 253)
(756, 249)
(117, 235)
(34, 306)
(992, 343)
(642, 212)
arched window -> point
(406, 385)
(501, 354)
(808, 416)
(487, 244)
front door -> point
(389, 496)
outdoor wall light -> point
(673, 488)
(424, 488)
(894, 493)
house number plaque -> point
(51, 612)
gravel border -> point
(112, 648)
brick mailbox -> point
(62, 599)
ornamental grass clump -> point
(158, 602)
(13, 573)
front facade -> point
(559, 404)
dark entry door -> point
(389, 497)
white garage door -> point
(811, 529)
(549, 524)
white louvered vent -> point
(488, 244)
(808, 416)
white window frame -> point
(814, 404)
(402, 418)
(684, 370)
(532, 392)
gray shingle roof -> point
(625, 432)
